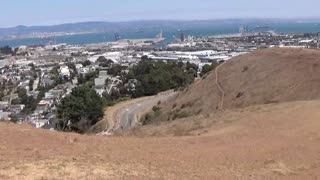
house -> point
(24, 84)
(39, 123)
(47, 82)
(49, 95)
(84, 70)
(16, 109)
(79, 66)
(43, 106)
(5, 116)
(49, 125)
(56, 93)
(9, 98)
(100, 81)
(34, 94)
(64, 72)
(103, 73)
(4, 104)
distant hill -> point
(130, 25)
(74, 28)
(94, 27)
(263, 77)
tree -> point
(29, 102)
(89, 77)
(72, 66)
(115, 70)
(32, 66)
(157, 76)
(180, 64)
(101, 59)
(79, 110)
(104, 62)
(145, 57)
(191, 66)
(21, 92)
(86, 63)
(14, 118)
(10, 83)
(207, 68)
(1, 95)
(31, 82)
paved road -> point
(36, 84)
(128, 117)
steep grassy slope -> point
(262, 77)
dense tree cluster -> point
(207, 68)
(86, 63)
(29, 102)
(88, 78)
(157, 76)
(80, 110)
(116, 69)
(103, 62)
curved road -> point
(127, 117)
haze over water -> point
(169, 34)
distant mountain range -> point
(92, 27)
(84, 27)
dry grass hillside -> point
(269, 129)
(262, 77)
(275, 141)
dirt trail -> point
(219, 86)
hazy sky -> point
(47, 12)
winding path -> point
(219, 86)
